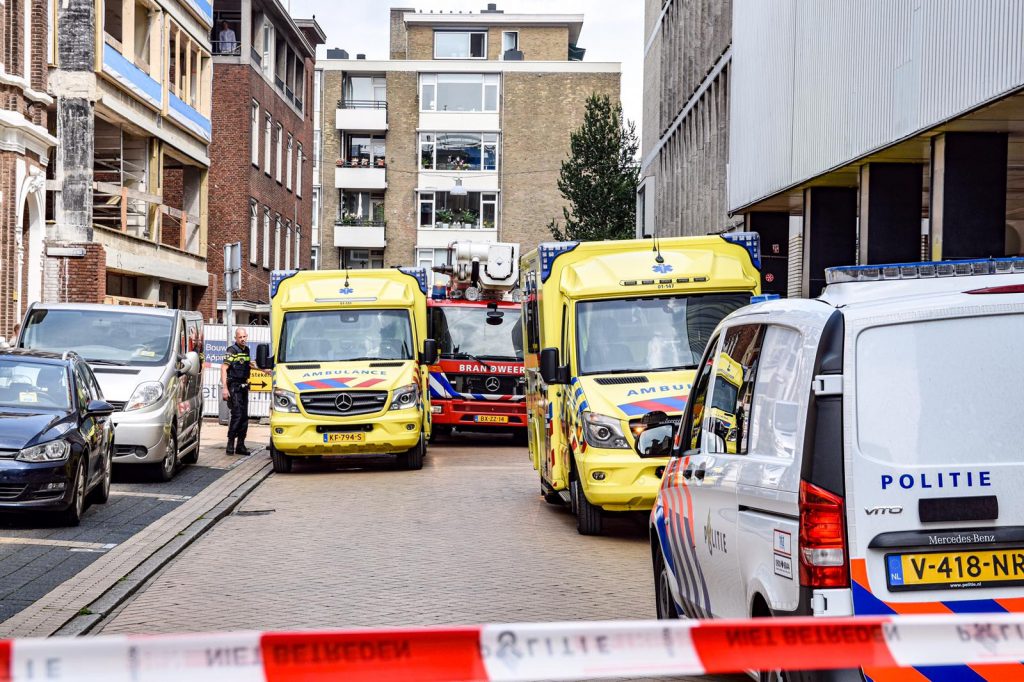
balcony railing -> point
(350, 221)
(226, 48)
(362, 104)
(379, 162)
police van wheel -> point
(282, 462)
(588, 517)
(412, 458)
(662, 592)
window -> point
(277, 243)
(298, 174)
(532, 312)
(317, 156)
(459, 151)
(476, 210)
(253, 231)
(361, 208)
(280, 150)
(287, 245)
(268, 46)
(315, 223)
(288, 170)
(693, 418)
(266, 238)
(361, 259)
(314, 258)
(366, 151)
(509, 42)
(429, 258)
(254, 133)
(782, 396)
(465, 92)
(268, 132)
(460, 45)
(364, 92)
(732, 391)
(298, 242)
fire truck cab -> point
(478, 382)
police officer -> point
(234, 381)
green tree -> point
(599, 178)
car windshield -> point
(340, 335)
(462, 331)
(101, 336)
(645, 334)
(33, 385)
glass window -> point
(426, 209)
(315, 215)
(430, 258)
(287, 245)
(298, 175)
(460, 45)
(733, 389)
(277, 243)
(359, 208)
(288, 170)
(646, 334)
(509, 41)
(266, 238)
(366, 150)
(782, 377)
(314, 258)
(489, 211)
(428, 92)
(105, 337)
(427, 151)
(268, 132)
(473, 211)
(459, 92)
(491, 92)
(694, 416)
(361, 259)
(280, 151)
(464, 332)
(254, 133)
(253, 231)
(364, 91)
(298, 243)
(32, 385)
(345, 336)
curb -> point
(124, 589)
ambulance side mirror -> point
(429, 354)
(263, 357)
(550, 371)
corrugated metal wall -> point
(817, 83)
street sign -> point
(233, 267)
(259, 381)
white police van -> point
(861, 453)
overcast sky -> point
(610, 33)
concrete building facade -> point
(459, 136)
(856, 133)
(25, 148)
(261, 176)
(132, 82)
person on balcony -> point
(227, 41)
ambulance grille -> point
(619, 381)
(326, 403)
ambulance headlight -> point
(406, 396)
(603, 432)
(285, 401)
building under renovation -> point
(127, 215)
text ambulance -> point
(350, 356)
(613, 331)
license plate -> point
(344, 437)
(955, 570)
(491, 419)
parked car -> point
(148, 362)
(858, 454)
(56, 435)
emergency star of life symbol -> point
(343, 402)
(662, 269)
(346, 290)
(492, 384)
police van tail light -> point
(823, 560)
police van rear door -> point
(934, 434)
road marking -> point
(165, 497)
(73, 544)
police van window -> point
(732, 390)
(783, 374)
(692, 428)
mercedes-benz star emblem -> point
(492, 384)
(343, 402)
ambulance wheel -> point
(588, 517)
(282, 462)
(440, 431)
(412, 458)
(663, 601)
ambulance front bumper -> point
(391, 432)
(620, 480)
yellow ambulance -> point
(613, 332)
(350, 357)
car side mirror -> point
(191, 364)
(655, 441)
(429, 354)
(550, 371)
(99, 408)
(263, 357)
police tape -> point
(548, 651)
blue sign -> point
(215, 351)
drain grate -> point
(255, 512)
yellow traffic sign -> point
(259, 381)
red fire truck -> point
(478, 383)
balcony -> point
(361, 115)
(131, 77)
(350, 175)
(360, 233)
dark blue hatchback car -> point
(56, 436)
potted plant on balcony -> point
(468, 219)
(340, 163)
(348, 219)
(445, 217)
(488, 224)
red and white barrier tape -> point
(551, 651)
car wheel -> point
(663, 601)
(101, 493)
(412, 459)
(193, 455)
(282, 462)
(72, 516)
(165, 468)
(588, 516)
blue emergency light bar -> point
(278, 276)
(420, 274)
(549, 251)
(751, 241)
(761, 298)
(926, 270)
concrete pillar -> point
(830, 234)
(890, 213)
(968, 195)
(773, 226)
(245, 32)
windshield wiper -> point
(98, 361)
(670, 368)
(512, 358)
(470, 356)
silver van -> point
(148, 362)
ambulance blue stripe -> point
(584, 406)
(949, 673)
(974, 606)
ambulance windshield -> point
(340, 335)
(648, 334)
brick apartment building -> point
(458, 136)
(261, 177)
(26, 144)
